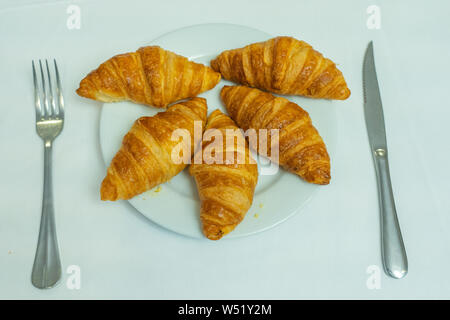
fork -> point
(49, 124)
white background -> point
(322, 252)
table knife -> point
(393, 252)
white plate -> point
(176, 205)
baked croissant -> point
(151, 76)
(226, 189)
(301, 150)
(145, 158)
(283, 65)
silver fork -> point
(49, 124)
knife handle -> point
(393, 251)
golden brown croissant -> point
(151, 76)
(226, 190)
(283, 65)
(145, 158)
(301, 149)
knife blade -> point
(393, 251)
(373, 109)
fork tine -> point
(50, 91)
(59, 92)
(47, 112)
(37, 99)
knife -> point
(393, 252)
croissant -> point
(283, 65)
(301, 150)
(226, 189)
(145, 158)
(151, 76)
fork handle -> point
(47, 265)
(393, 250)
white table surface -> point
(322, 252)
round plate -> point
(175, 205)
